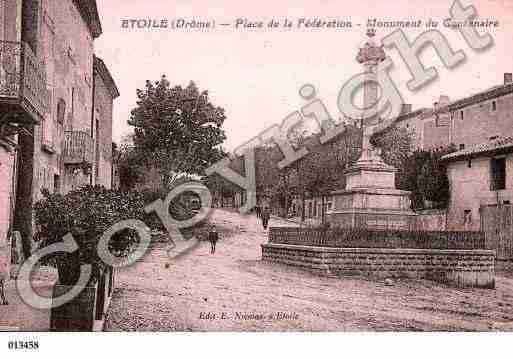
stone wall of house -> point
(466, 126)
(435, 133)
(7, 161)
(480, 121)
(464, 268)
(103, 104)
(65, 45)
(469, 183)
(9, 16)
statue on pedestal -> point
(370, 198)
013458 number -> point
(23, 345)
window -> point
(498, 174)
(56, 183)
(462, 146)
(61, 111)
(47, 140)
(30, 26)
(494, 106)
(72, 101)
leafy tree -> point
(177, 130)
(432, 182)
(131, 167)
(396, 146)
(420, 172)
(425, 176)
(271, 182)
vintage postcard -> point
(272, 166)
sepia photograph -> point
(172, 167)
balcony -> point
(22, 83)
(78, 149)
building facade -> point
(479, 176)
(466, 122)
(66, 101)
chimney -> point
(508, 78)
(444, 100)
(405, 108)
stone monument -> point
(370, 199)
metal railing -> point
(22, 77)
(366, 238)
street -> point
(233, 290)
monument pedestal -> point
(370, 199)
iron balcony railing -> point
(78, 148)
(22, 79)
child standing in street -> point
(213, 237)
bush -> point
(182, 207)
(86, 213)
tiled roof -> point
(408, 115)
(106, 76)
(503, 144)
(488, 94)
(89, 11)
(481, 96)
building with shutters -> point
(56, 102)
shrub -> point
(86, 213)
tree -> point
(320, 173)
(130, 167)
(177, 130)
(270, 181)
(396, 146)
(432, 181)
(424, 175)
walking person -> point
(265, 215)
(213, 237)
(2, 292)
(3, 277)
(257, 211)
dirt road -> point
(234, 291)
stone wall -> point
(462, 268)
(7, 161)
(466, 124)
(65, 44)
(103, 104)
(480, 121)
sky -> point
(255, 74)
